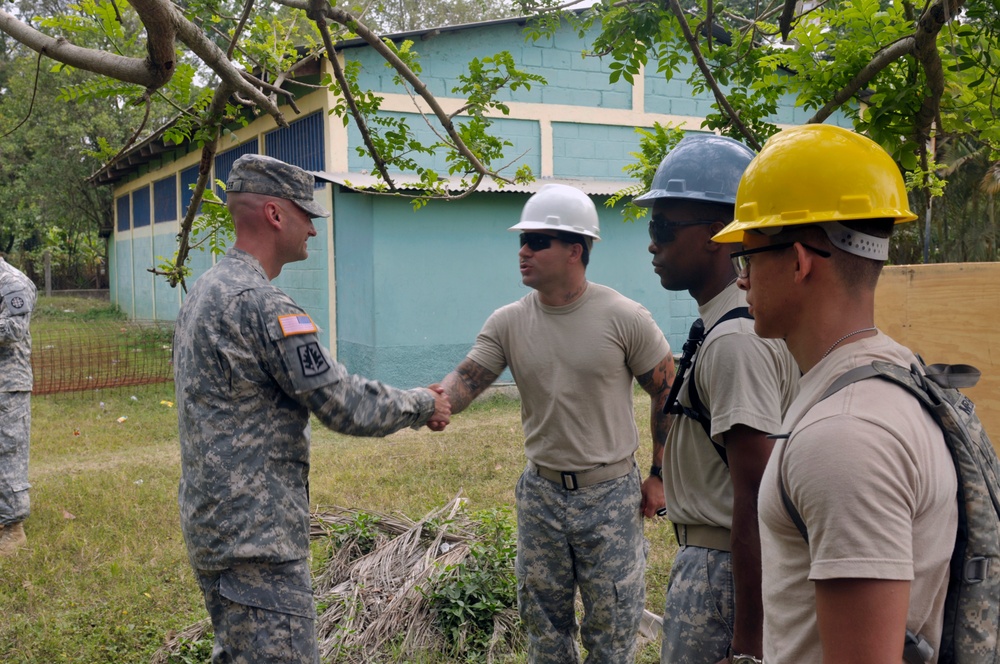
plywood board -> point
(948, 313)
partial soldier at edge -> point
(17, 300)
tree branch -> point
(785, 20)
(347, 20)
(161, 31)
(316, 14)
(882, 59)
(164, 24)
(238, 30)
(215, 110)
(707, 73)
(929, 25)
(127, 70)
(216, 59)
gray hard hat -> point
(701, 167)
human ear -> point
(272, 214)
(713, 229)
(804, 262)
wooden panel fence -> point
(949, 313)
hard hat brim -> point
(734, 231)
(544, 226)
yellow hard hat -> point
(817, 173)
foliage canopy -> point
(920, 80)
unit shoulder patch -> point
(312, 360)
(292, 324)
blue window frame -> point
(140, 207)
(165, 199)
(224, 162)
(300, 143)
(121, 206)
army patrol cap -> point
(258, 174)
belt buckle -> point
(569, 481)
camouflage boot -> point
(12, 538)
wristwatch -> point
(656, 471)
(744, 659)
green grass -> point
(105, 577)
(56, 310)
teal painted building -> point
(400, 294)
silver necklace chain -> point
(847, 336)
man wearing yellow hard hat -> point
(865, 469)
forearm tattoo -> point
(466, 383)
(656, 382)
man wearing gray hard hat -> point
(729, 394)
(249, 369)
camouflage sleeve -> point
(343, 402)
(362, 407)
(15, 314)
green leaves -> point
(397, 146)
(467, 598)
(653, 147)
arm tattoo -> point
(656, 382)
(465, 383)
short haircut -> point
(854, 271)
(576, 238)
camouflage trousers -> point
(15, 434)
(589, 539)
(698, 619)
(262, 613)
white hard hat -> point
(559, 207)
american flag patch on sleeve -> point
(296, 324)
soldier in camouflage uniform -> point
(249, 370)
(17, 300)
(573, 348)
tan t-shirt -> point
(868, 470)
(742, 379)
(573, 366)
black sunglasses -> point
(540, 241)
(537, 241)
(741, 259)
(662, 231)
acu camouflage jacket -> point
(248, 370)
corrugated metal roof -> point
(368, 182)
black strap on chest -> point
(695, 337)
(697, 411)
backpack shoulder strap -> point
(698, 411)
(901, 376)
(845, 379)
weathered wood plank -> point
(949, 313)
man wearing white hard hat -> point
(573, 348)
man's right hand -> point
(653, 500)
(442, 409)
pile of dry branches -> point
(372, 603)
(369, 591)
